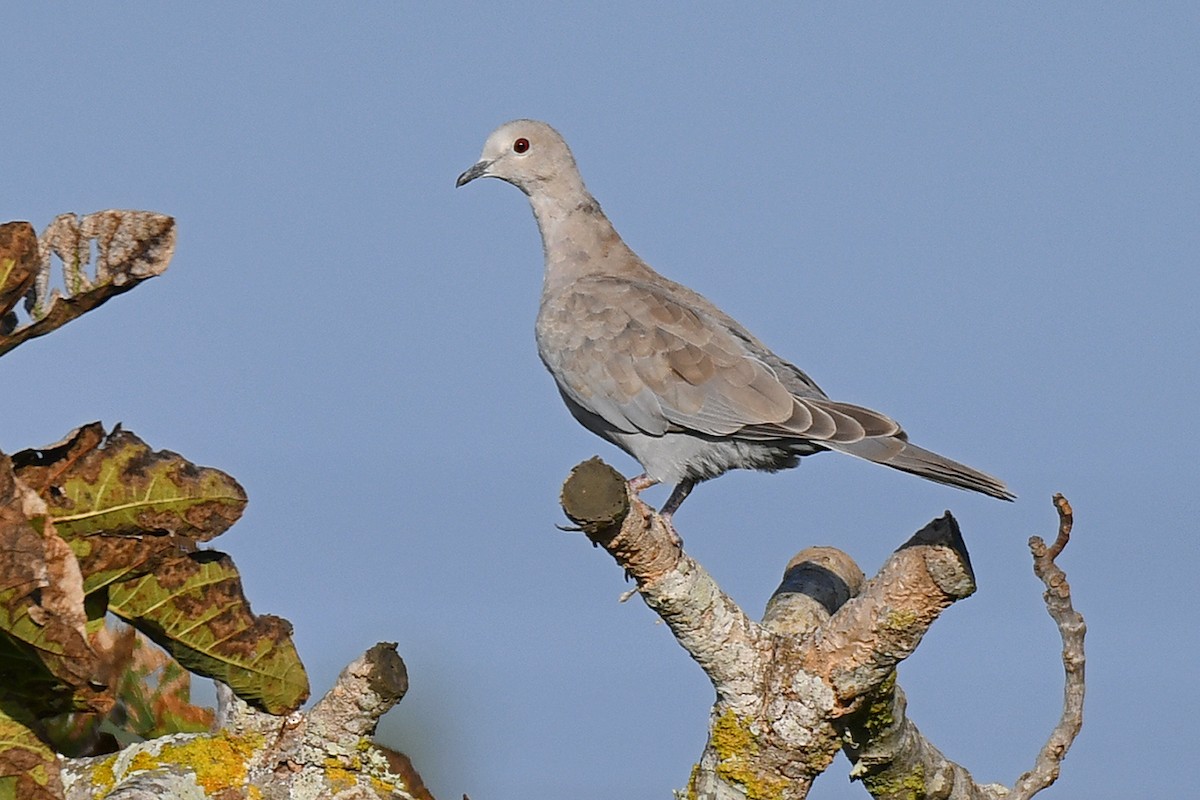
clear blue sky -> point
(981, 220)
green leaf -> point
(123, 506)
(193, 606)
(123, 488)
(28, 768)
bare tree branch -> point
(895, 762)
(325, 753)
(818, 673)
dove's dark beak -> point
(479, 169)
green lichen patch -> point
(909, 786)
(877, 715)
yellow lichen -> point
(338, 775)
(692, 794)
(103, 778)
(218, 762)
(731, 737)
(382, 787)
(737, 748)
(901, 620)
(142, 762)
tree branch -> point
(818, 673)
(325, 753)
(705, 621)
(860, 645)
(896, 762)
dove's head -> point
(528, 154)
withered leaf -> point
(45, 658)
(131, 245)
(193, 606)
(39, 468)
(18, 267)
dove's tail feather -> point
(897, 453)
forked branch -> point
(818, 673)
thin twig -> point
(1072, 629)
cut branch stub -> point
(595, 497)
(948, 561)
(373, 684)
(868, 636)
(324, 753)
(816, 583)
(598, 499)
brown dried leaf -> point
(132, 246)
(45, 659)
(40, 468)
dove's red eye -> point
(521, 145)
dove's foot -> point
(671, 532)
(641, 482)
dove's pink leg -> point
(678, 495)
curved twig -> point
(1072, 629)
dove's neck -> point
(578, 240)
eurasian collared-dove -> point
(661, 372)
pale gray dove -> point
(661, 372)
